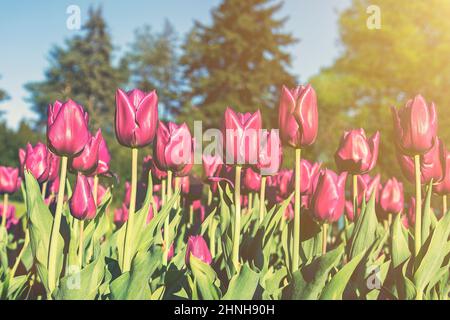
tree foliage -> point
(153, 61)
(238, 60)
(383, 67)
(82, 70)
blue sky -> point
(28, 29)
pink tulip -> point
(104, 158)
(173, 148)
(443, 187)
(241, 135)
(391, 199)
(269, 153)
(150, 164)
(357, 154)
(367, 186)
(410, 217)
(185, 185)
(432, 164)
(82, 204)
(415, 126)
(298, 116)
(212, 165)
(252, 180)
(136, 117)
(349, 212)
(127, 197)
(54, 186)
(197, 247)
(284, 182)
(67, 128)
(11, 219)
(101, 190)
(9, 180)
(53, 166)
(87, 161)
(308, 176)
(328, 199)
(35, 160)
(120, 215)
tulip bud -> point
(53, 166)
(120, 215)
(367, 186)
(10, 216)
(104, 158)
(136, 117)
(391, 199)
(173, 148)
(252, 180)
(67, 128)
(197, 247)
(284, 182)
(86, 162)
(35, 160)
(443, 187)
(82, 204)
(9, 180)
(149, 164)
(211, 165)
(432, 164)
(241, 132)
(298, 116)
(415, 126)
(356, 153)
(349, 212)
(328, 199)
(308, 176)
(269, 153)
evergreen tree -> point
(154, 64)
(383, 67)
(237, 61)
(83, 71)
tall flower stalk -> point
(418, 211)
(262, 199)
(126, 263)
(297, 204)
(51, 262)
(237, 221)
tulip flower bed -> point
(246, 230)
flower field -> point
(247, 229)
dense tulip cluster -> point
(266, 231)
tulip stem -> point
(237, 222)
(126, 263)
(262, 199)
(324, 237)
(444, 204)
(296, 246)
(44, 190)
(81, 245)
(51, 262)
(355, 197)
(167, 221)
(191, 215)
(95, 189)
(163, 191)
(210, 196)
(250, 202)
(418, 224)
(5, 209)
(19, 257)
(177, 188)
(212, 239)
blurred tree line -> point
(241, 59)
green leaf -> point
(427, 213)
(205, 279)
(134, 285)
(40, 221)
(399, 243)
(309, 281)
(84, 284)
(432, 254)
(243, 285)
(335, 288)
(364, 234)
